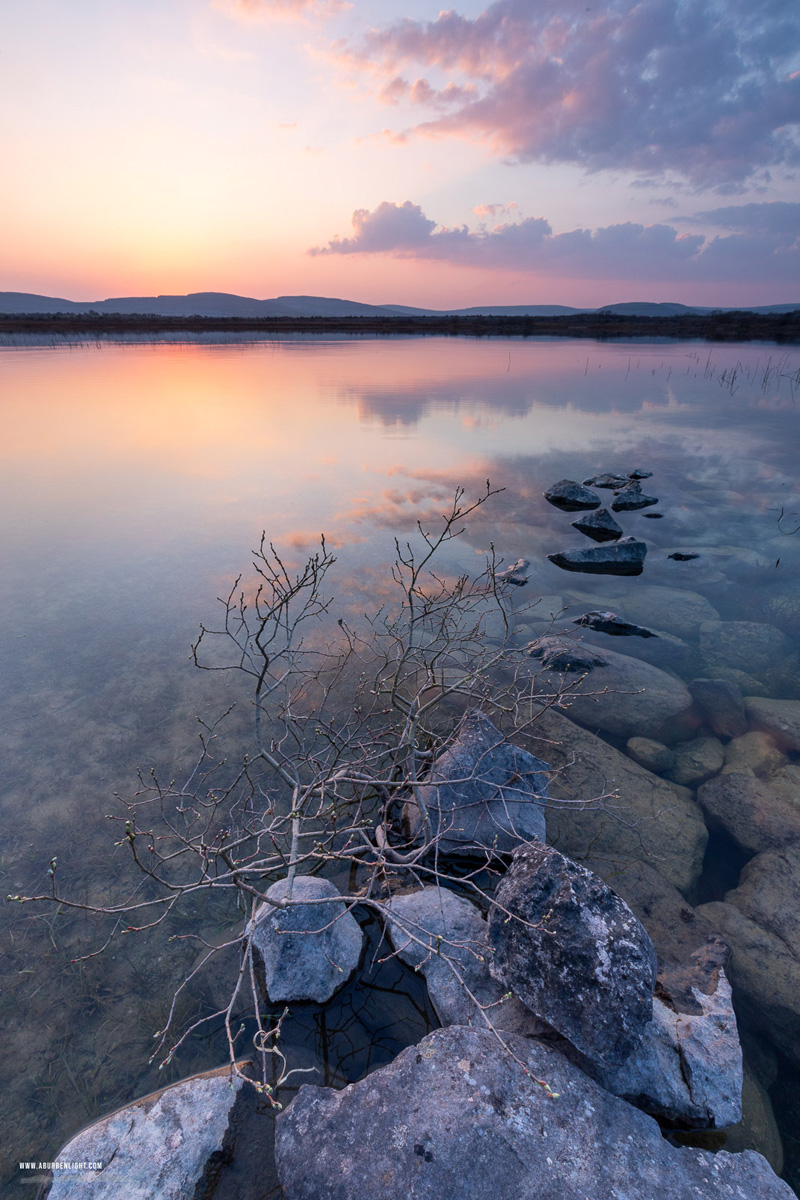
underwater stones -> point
(647, 818)
(765, 973)
(482, 794)
(453, 1116)
(748, 646)
(768, 893)
(571, 496)
(167, 1144)
(434, 930)
(652, 755)
(632, 497)
(687, 1069)
(754, 751)
(624, 557)
(608, 480)
(309, 950)
(609, 622)
(757, 817)
(599, 525)
(758, 1129)
(676, 610)
(721, 705)
(517, 573)
(696, 761)
(781, 718)
(627, 697)
(573, 952)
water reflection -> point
(137, 477)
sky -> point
(513, 152)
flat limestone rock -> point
(625, 557)
(644, 819)
(308, 951)
(454, 1117)
(163, 1145)
(571, 496)
(483, 795)
(574, 953)
(600, 526)
(434, 930)
(687, 1068)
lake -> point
(137, 479)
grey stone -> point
(609, 622)
(768, 893)
(632, 497)
(165, 1144)
(574, 953)
(765, 974)
(786, 782)
(308, 950)
(754, 751)
(626, 696)
(781, 718)
(453, 1117)
(435, 931)
(565, 654)
(758, 1129)
(638, 473)
(607, 480)
(697, 761)
(755, 815)
(625, 557)
(600, 526)
(687, 1069)
(483, 794)
(677, 610)
(721, 705)
(571, 496)
(644, 817)
(652, 755)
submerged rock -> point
(625, 557)
(171, 1144)
(453, 1117)
(650, 754)
(721, 705)
(434, 931)
(677, 610)
(747, 646)
(754, 751)
(756, 817)
(609, 622)
(483, 794)
(600, 526)
(574, 953)
(646, 818)
(697, 760)
(571, 496)
(781, 718)
(309, 950)
(632, 497)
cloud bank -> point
(281, 10)
(707, 89)
(766, 248)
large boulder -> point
(677, 610)
(455, 1117)
(445, 937)
(760, 651)
(309, 949)
(610, 812)
(483, 795)
(687, 1069)
(171, 1144)
(721, 705)
(621, 695)
(574, 953)
(757, 817)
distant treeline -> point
(714, 327)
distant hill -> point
(225, 304)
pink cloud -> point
(766, 248)
(696, 88)
(282, 10)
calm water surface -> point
(136, 479)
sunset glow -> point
(497, 153)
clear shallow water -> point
(137, 478)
